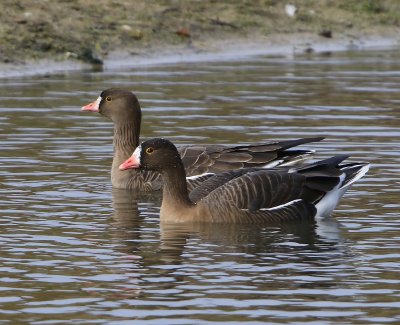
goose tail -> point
(351, 172)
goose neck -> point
(175, 192)
(126, 138)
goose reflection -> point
(177, 254)
(132, 211)
(220, 252)
(251, 239)
(127, 205)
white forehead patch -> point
(137, 152)
(98, 100)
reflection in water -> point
(233, 238)
(126, 207)
(246, 239)
(130, 210)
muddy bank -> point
(287, 45)
(48, 36)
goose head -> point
(119, 105)
(155, 154)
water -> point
(73, 251)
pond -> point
(73, 250)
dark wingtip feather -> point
(333, 162)
(293, 143)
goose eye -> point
(149, 150)
(108, 98)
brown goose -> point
(246, 195)
(200, 161)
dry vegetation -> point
(89, 29)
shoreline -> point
(283, 45)
(286, 46)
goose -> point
(201, 161)
(247, 195)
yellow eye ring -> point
(149, 150)
(108, 98)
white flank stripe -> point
(198, 176)
(298, 159)
(281, 206)
(272, 164)
(282, 163)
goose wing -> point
(271, 196)
(278, 193)
(199, 159)
(258, 189)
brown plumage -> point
(123, 108)
(248, 195)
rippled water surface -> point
(74, 251)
